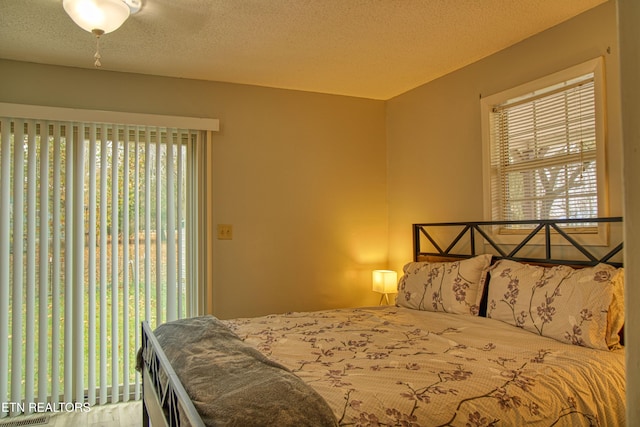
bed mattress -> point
(396, 366)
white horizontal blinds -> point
(545, 153)
(95, 218)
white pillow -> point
(569, 305)
(452, 287)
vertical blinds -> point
(544, 153)
(94, 227)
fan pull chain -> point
(97, 56)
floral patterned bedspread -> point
(395, 366)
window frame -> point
(596, 235)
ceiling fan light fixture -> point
(97, 16)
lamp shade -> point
(385, 281)
(101, 16)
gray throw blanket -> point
(233, 384)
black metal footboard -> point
(164, 400)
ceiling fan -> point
(100, 17)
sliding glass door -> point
(96, 227)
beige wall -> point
(629, 16)
(434, 131)
(435, 149)
(300, 176)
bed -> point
(481, 334)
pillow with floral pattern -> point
(569, 305)
(452, 287)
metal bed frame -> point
(165, 401)
(163, 404)
(475, 232)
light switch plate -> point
(225, 231)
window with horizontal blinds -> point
(97, 228)
(544, 153)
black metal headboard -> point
(547, 236)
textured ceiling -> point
(366, 48)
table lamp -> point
(385, 282)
